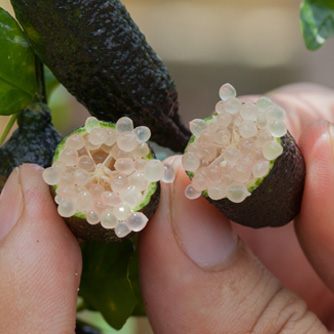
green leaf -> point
(104, 283)
(133, 275)
(317, 22)
(17, 67)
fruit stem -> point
(8, 128)
(41, 91)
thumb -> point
(198, 277)
(40, 260)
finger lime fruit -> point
(105, 179)
(245, 162)
(34, 141)
(99, 54)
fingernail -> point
(202, 232)
(11, 203)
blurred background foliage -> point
(255, 45)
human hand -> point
(199, 277)
(196, 275)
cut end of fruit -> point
(105, 173)
(230, 152)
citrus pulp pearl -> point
(86, 163)
(219, 108)
(231, 155)
(143, 133)
(99, 206)
(60, 166)
(263, 103)
(122, 230)
(232, 106)
(142, 150)
(224, 120)
(92, 217)
(226, 91)
(248, 111)
(248, 129)
(124, 166)
(217, 191)
(75, 142)
(277, 128)
(153, 170)
(222, 136)
(119, 183)
(121, 211)
(137, 180)
(91, 123)
(200, 182)
(83, 200)
(110, 198)
(66, 192)
(127, 141)
(81, 176)
(191, 193)
(132, 196)
(190, 162)
(58, 199)
(96, 190)
(66, 208)
(271, 150)
(124, 124)
(261, 121)
(51, 176)
(261, 168)
(108, 219)
(111, 136)
(275, 112)
(69, 157)
(97, 137)
(136, 221)
(237, 193)
(169, 173)
(241, 173)
(196, 126)
(264, 135)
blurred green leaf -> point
(104, 282)
(317, 22)
(17, 67)
(51, 81)
(133, 275)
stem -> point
(41, 91)
(8, 128)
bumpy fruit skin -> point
(98, 53)
(34, 141)
(276, 201)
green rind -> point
(277, 200)
(78, 223)
(99, 54)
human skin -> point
(199, 272)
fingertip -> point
(315, 224)
(42, 262)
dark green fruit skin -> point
(276, 201)
(34, 141)
(99, 54)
